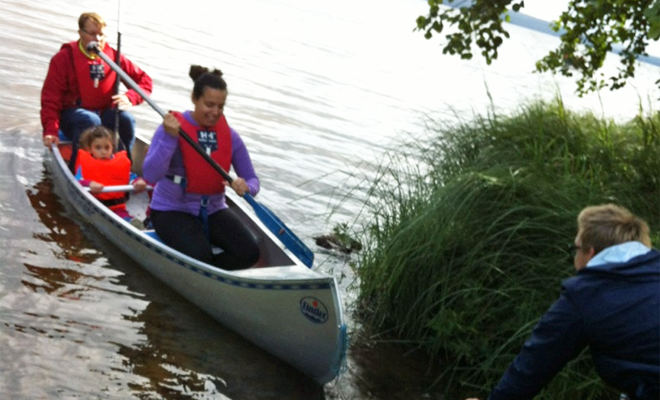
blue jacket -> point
(612, 306)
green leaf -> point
(653, 16)
(422, 22)
(590, 28)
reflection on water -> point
(187, 352)
(318, 91)
(125, 331)
(80, 319)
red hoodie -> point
(60, 89)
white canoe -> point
(280, 305)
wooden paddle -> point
(274, 224)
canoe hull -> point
(280, 305)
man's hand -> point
(122, 101)
(49, 139)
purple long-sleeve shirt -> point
(164, 159)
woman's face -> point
(209, 107)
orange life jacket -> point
(201, 178)
(108, 172)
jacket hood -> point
(630, 259)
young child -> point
(97, 166)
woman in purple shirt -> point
(188, 208)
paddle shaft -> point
(119, 188)
(266, 216)
(94, 47)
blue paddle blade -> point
(283, 233)
(269, 219)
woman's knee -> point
(180, 231)
(250, 254)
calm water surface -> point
(319, 91)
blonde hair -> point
(90, 16)
(608, 224)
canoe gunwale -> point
(331, 340)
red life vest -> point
(93, 98)
(201, 178)
(115, 171)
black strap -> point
(114, 202)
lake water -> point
(319, 91)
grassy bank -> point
(467, 248)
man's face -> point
(582, 255)
(92, 33)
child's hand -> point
(95, 187)
(139, 185)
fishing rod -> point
(118, 81)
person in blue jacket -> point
(611, 306)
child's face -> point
(101, 148)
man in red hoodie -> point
(79, 90)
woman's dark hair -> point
(203, 78)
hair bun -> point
(197, 70)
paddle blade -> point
(283, 233)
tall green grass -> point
(469, 230)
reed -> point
(469, 232)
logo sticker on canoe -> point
(314, 310)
